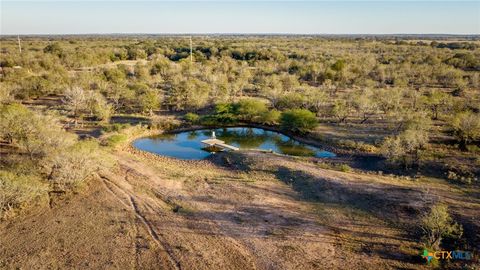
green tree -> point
(75, 100)
(366, 104)
(341, 110)
(339, 65)
(226, 113)
(405, 149)
(191, 118)
(292, 101)
(437, 223)
(149, 100)
(195, 94)
(437, 101)
(466, 127)
(269, 117)
(54, 48)
(298, 120)
(188, 94)
(316, 99)
(135, 53)
(250, 109)
(34, 134)
(12, 126)
(98, 107)
(389, 100)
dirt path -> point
(257, 212)
(218, 221)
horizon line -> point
(251, 34)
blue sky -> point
(297, 17)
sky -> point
(228, 16)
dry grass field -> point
(243, 210)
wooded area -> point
(407, 107)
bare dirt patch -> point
(235, 211)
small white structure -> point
(214, 142)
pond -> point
(188, 145)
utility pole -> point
(191, 50)
(19, 45)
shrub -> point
(43, 149)
(72, 165)
(338, 65)
(149, 101)
(191, 118)
(291, 101)
(34, 134)
(226, 113)
(79, 101)
(405, 148)
(116, 127)
(209, 120)
(116, 139)
(54, 48)
(473, 149)
(461, 174)
(344, 168)
(164, 123)
(437, 224)
(365, 147)
(467, 127)
(14, 117)
(114, 75)
(298, 120)
(250, 109)
(269, 117)
(357, 145)
(340, 110)
(99, 107)
(17, 191)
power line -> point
(191, 50)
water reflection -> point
(187, 145)
(192, 135)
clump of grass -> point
(182, 209)
(463, 177)
(326, 166)
(344, 168)
(18, 191)
(357, 145)
(274, 232)
(191, 118)
(115, 140)
(116, 127)
(336, 167)
(473, 149)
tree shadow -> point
(381, 200)
(385, 202)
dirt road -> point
(240, 211)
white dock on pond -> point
(213, 141)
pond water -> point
(188, 145)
